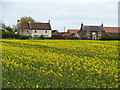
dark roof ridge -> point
(91, 26)
(111, 27)
(72, 29)
(36, 22)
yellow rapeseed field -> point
(59, 64)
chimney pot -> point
(49, 21)
(102, 25)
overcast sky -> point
(68, 13)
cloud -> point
(69, 13)
(59, 1)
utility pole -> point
(64, 28)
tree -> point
(14, 27)
(27, 19)
(9, 29)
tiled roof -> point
(112, 29)
(37, 26)
(73, 30)
(92, 28)
(53, 31)
(64, 34)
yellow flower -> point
(36, 86)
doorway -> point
(93, 35)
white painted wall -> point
(41, 32)
(28, 32)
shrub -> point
(110, 38)
(11, 35)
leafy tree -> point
(9, 29)
(27, 19)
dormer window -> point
(35, 31)
(87, 32)
(99, 33)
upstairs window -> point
(35, 31)
(22, 30)
(45, 31)
(99, 33)
(87, 32)
(27, 30)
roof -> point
(37, 26)
(64, 34)
(53, 31)
(92, 28)
(73, 30)
(112, 29)
(67, 34)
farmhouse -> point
(34, 29)
(91, 32)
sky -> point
(68, 13)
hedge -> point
(11, 35)
(110, 38)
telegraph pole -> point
(64, 28)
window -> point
(45, 31)
(87, 32)
(27, 30)
(99, 33)
(35, 31)
(22, 30)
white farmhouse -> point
(34, 29)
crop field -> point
(59, 64)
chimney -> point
(29, 24)
(81, 24)
(18, 21)
(102, 25)
(48, 21)
(18, 24)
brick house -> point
(91, 32)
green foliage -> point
(11, 35)
(27, 19)
(9, 29)
(59, 64)
(110, 37)
(41, 37)
(107, 34)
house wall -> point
(28, 32)
(83, 34)
(41, 32)
(24, 32)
